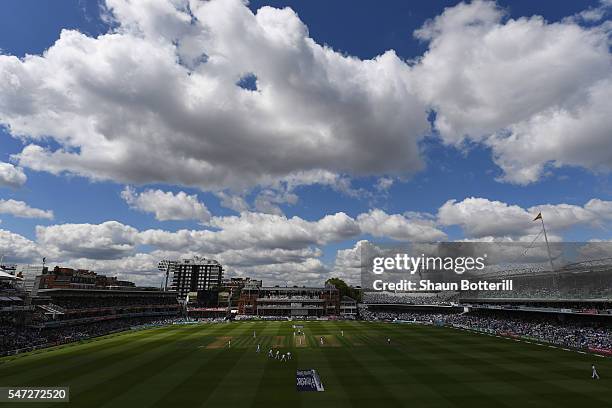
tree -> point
(344, 289)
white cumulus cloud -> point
(11, 176)
(536, 92)
(156, 100)
(399, 227)
(23, 210)
(109, 240)
(167, 205)
(17, 248)
(162, 87)
(488, 219)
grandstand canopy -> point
(8, 276)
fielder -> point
(594, 374)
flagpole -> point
(552, 268)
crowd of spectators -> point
(559, 285)
(77, 303)
(551, 330)
(523, 290)
(591, 308)
(410, 298)
(6, 285)
(432, 318)
(254, 317)
(554, 287)
(14, 338)
(291, 297)
(10, 298)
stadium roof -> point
(4, 275)
(535, 300)
(104, 291)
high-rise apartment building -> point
(192, 275)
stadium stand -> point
(571, 307)
(577, 333)
(56, 307)
(74, 305)
(14, 339)
(410, 298)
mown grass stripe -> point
(425, 366)
(137, 371)
(198, 384)
(147, 393)
(247, 376)
(276, 385)
(69, 351)
(90, 361)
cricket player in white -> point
(321, 340)
(594, 374)
(270, 353)
(277, 354)
(283, 358)
(288, 355)
(258, 347)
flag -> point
(538, 217)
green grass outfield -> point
(191, 366)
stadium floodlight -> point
(166, 266)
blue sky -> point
(85, 196)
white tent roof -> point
(4, 275)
